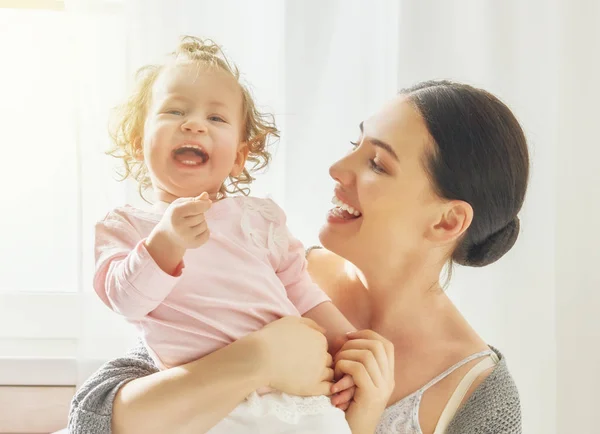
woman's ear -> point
(453, 222)
(240, 159)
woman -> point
(437, 176)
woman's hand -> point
(369, 359)
(294, 357)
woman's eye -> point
(376, 167)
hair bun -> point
(493, 247)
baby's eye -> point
(175, 112)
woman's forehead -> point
(400, 124)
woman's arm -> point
(91, 408)
(120, 397)
(289, 354)
(192, 397)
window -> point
(42, 242)
(38, 170)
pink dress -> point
(251, 272)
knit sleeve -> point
(92, 406)
(494, 408)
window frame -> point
(30, 317)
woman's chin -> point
(334, 238)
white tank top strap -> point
(461, 390)
(455, 367)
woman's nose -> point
(341, 171)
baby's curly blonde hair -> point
(128, 124)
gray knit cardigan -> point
(493, 408)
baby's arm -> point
(314, 304)
(333, 321)
(134, 275)
(310, 300)
(127, 278)
(337, 326)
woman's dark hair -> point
(480, 156)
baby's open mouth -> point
(190, 155)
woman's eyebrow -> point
(380, 144)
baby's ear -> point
(240, 159)
(138, 149)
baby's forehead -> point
(190, 72)
(187, 78)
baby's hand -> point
(184, 221)
(343, 392)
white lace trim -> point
(275, 237)
(402, 417)
(287, 408)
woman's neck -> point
(407, 302)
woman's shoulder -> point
(321, 259)
(494, 406)
(324, 266)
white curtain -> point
(312, 70)
(324, 65)
(577, 206)
(509, 48)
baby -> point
(208, 264)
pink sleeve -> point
(127, 278)
(293, 273)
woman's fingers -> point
(357, 370)
(374, 346)
(367, 359)
(371, 335)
